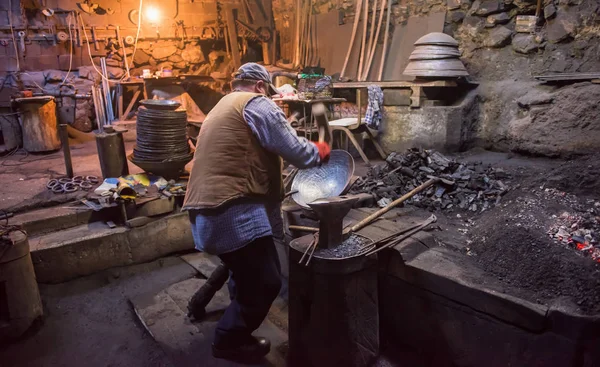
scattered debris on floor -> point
(472, 187)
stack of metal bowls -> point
(436, 55)
(161, 144)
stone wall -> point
(188, 38)
(561, 120)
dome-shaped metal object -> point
(437, 38)
(434, 52)
(436, 68)
(436, 55)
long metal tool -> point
(354, 29)
(396, 241)
(122, 46)
(363, 223)
(106, 86)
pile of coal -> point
(466, 186)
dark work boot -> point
(198, 302)
(251, 351)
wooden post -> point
(364, 40)
(385, 39)
(40, 128)
(354, 29)
(232, 33)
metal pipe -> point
(64, 138)
(287, 74)
(58, 94)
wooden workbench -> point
(417, 87)
(142, 86)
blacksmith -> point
(234, 196)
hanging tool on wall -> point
(21, 35)
(122, 48)
(95, 38)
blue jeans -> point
(254, 284)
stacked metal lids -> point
(161, 135)
(435, 55)
(161, 143)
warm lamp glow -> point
(152, 14)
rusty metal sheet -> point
(332, 44)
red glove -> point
(324, 151)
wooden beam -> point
(397, 84)
(233, 39)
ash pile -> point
(467, 186)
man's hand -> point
(324, 151)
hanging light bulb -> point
(152, 14)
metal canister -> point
(20, 303)
(111, 152)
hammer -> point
(319, 113)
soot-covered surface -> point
(511, 244)
(350, 247)
(539, 241)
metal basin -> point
(160, 104)
(326, 181)
(167, 169)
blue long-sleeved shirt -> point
(241, 221)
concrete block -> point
(78, 251)
(89, 248)
(440, 271)
(148, 242)
(447, 128)
(47, 220)
(454, 334)
(396, 97)
(156, 207)
(179, 233)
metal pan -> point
(328, 180)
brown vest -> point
(229, 162)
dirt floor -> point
(24, 176)
(90, 322)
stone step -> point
(87, 248)
(56, 218)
